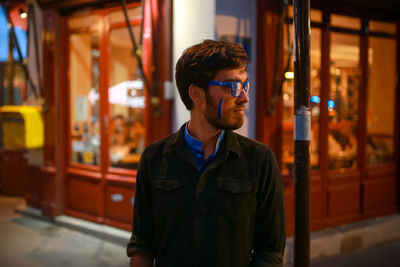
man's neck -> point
(200, 129)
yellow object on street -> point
(22, 127)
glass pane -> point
(287, 159)
(127, 102)
(315, 85)
(84, 92)
(287, 91)
(89, 22)
(14, 85)
(133, 13)
(343, 103)
(381, 89)
(315, 14)
(379, 26)
(346, 22)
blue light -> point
(331, 104)
(315, 99)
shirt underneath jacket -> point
(196, 146)
(230, 213)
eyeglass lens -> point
(237, 88)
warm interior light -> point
(23, 14)
(289, 75)
(286, 96)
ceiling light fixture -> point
(22, 14)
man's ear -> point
(196, 94)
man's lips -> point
(239, 110)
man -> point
(207, 196)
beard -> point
(230, 119)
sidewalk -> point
(335, 243)
(383, 255)
(27, 241)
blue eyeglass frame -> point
(245, 86)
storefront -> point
(100, 110)
(354, 108)
(103, 101)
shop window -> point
(85, 23)
(343, 102)
(345, 22)
(288, 94)
(380, 26)
(127, 102)
(133, 14)
(14, 85)
(124, 120)
(84, 72)
(12, 75)
(381, 99)
(315, 14)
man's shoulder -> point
(252, 146)
(158, 147)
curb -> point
(111, 234)
(349, 238)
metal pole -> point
(302, 131)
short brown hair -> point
(200, 63)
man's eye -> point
(237, 85)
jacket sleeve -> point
(270, 225)
(143, 226)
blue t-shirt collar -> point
(195, 146)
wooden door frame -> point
(113, 176)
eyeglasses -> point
(236, 87)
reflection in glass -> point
(343, 103)
(381, 100)
(127, 102)
(380, 26)
(288, 94)
(84, 93)
(86, 23)
(133, 14)
(315, 14)
(346, 22)
(14, 85)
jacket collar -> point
(177, 143)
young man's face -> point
(223, 111)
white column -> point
(193, 21)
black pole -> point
(302, 132)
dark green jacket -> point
(230, 215)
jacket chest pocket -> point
(235, 198)
(168, 196)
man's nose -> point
(243, 98)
